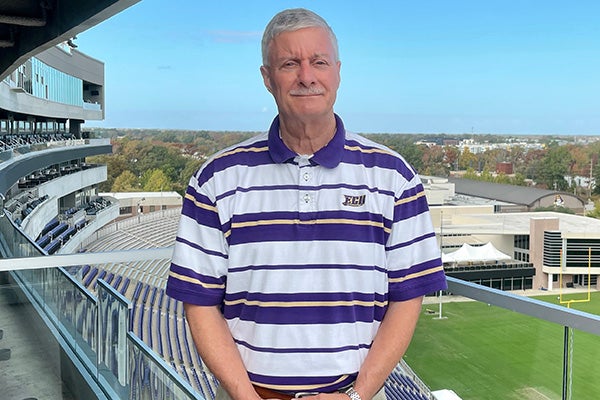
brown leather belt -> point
(266, 393)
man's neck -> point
(307, 137)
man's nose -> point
(306, 74)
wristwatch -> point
(353, 394)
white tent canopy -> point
(468, 253)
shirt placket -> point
(307, 196)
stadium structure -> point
(97, 303)
(490, 234)
(83, 312)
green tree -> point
(555, 166)
(596, 212)
(518, 179)
(126, 182)
(156, 181)
(413, 154)
(502, 178)
(490, 158)
(471, 174)
(486, 175)
(115, 165)
(516, 155)
(404, 145)
(532, 165)
(190, 169)
(467, 160)
(596, 173)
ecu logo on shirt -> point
(354, 201)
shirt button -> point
(307, 198)
(306, 176)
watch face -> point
(353, 394)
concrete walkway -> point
(33, 370)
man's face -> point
(303, 74)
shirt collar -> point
(328, 156)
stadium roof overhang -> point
(28, 27)
(14, 169)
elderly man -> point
(303, 254)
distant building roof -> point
(522, 195)
(516, 224)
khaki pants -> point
(223, 395)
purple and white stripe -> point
(304, 275)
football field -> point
(487, 352)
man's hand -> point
(217, 349)
(390, 344)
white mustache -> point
(310, 91)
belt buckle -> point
(300, 395)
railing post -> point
(565, 362)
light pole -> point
(441, 253)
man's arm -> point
(390, 344)
(215, 345)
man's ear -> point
(264, 71)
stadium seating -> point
(159, 320)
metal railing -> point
(72, 305)
(569, 318)
(127, 368)
(97, 330)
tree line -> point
(164, 160)
(544, 167)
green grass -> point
(486, 352)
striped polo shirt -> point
(303, 253)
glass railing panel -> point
(77, 311)
(29, 363)
(581, 358)
(482, 352)
(69, 305)
(14, 243)
(37, 282)
(509, 345)
(96, 324)
(5, 155)
(493, 348)
(582, 365)
(85, 334)
(92, 106)
(151, 379)
(113, 323)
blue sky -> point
(429, 66)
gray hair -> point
(292, 20)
